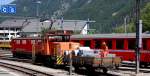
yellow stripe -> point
(59, 59)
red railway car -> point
(22, 47)
(120, 44)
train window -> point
(17, 41)
(131, 44)
(120, 44)
(87, 43)
(97, 44)
(32, 41)
(24, 42)
(144, 44)
(109, 44)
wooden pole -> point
(70, 56)
(33, 53)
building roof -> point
(69, 24)
(13, 23)
(34, 25)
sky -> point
(2, 2)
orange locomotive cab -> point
(55, 45)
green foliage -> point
(129, 29)
(43, 31)
(146, 17)
(106, 13)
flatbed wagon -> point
(93, 63)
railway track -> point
(24, 70)
(126, 68)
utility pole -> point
(62, 21)
(137, 9)
(70, 60)
(125, 24)
(37, 8)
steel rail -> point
(24, 70)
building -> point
(35, 27)
(10, 28)
(13, 28)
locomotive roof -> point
(113, 35)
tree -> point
(145, 16)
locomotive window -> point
(60, 38)
(120, 44)
(39, 40)
(24, 42)
(32, 41)
(17, 41)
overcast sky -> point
(2, 2)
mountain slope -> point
(106, 13)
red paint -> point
(113, 44)
(92, 46)
(82, 42)
(148, 44)
(125, 44)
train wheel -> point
(145, 65)
(14, 55)
(90, 70)
(117, 67)
(105, 70)
(76, 68)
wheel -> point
(145, 65)
(117, 67)
(105, 70)
(90, 70)
(76, 68)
